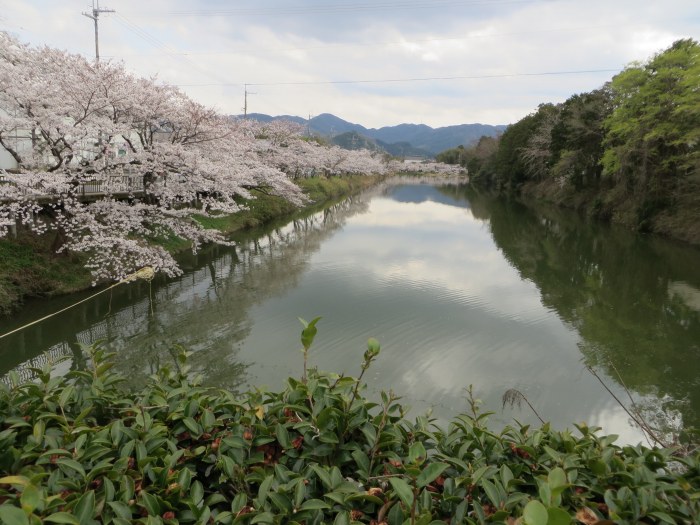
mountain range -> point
(400, 140)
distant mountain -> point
(327, 124)
(261, 117)
(403, 149)
(401, 140)
(356, 140)
(435, 140)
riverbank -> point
(679, 221)
(625, 153)
(32, 268)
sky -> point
(371, 62)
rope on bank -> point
(147, 273)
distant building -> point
(21, 141)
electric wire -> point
(339, 8)
(389, 43)
(416, 79)
(160, 45)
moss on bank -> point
(31, 268)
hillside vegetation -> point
(627, 152)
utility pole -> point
(95, 15)
(245, 100)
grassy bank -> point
(31, 267)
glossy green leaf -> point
(402, 490)
(263, 517)
(362, 460)
(535, 513)
(494, 493)
(151, 503)
(238, 503)
(11, 515)
(39, 430)
(281, 502)
(314, 504)
(506, 475)
(362, 496)
(373, 347)
(120, 509)
(283, 436)
(342, 518)
(323, 475)
(15, 480)
(299, 493)
(192, 426)
(197, 493)
(558, 516)
(309, 332)
(84, 509)
(264, 489)
(556, 478)
(31, 498)
(663, 517)
(62, 517)
(430, 473)
(416, 453)
(71, 464)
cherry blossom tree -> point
(284, 145)
(110, 161)
(69, 123)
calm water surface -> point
(459, 288)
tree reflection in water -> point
(204, 311)
(634, 300)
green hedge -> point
(80, 449)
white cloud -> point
(456, 269)
(212, 42)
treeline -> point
(627, 152)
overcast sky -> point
(372, 62)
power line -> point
(257, 51)
(158, 44)
(339, 8)
(144, 35)
(396, 80)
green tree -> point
(509, 167)
(651, 144)
(453, 156)
(577, 138)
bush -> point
(79, 449)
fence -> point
(111, 185)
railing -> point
(52, 356)
(113, 184)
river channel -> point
(459, 288)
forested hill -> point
(629, 151)
(419, 136)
